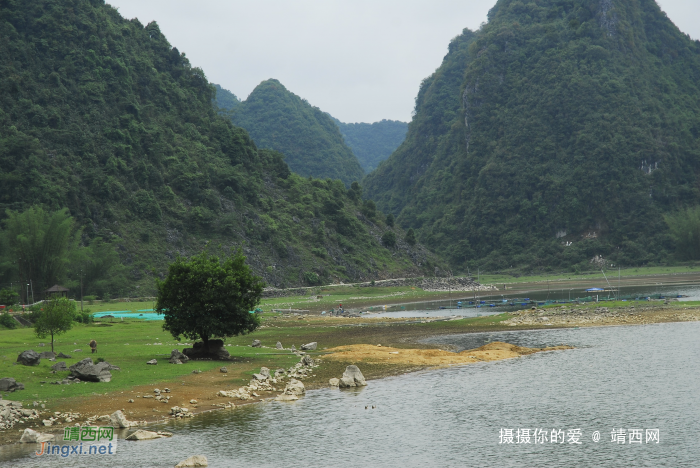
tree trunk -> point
(52, 342)
(205, 342)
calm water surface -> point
(640, 377)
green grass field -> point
(128, 344)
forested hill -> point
(225, 99)
(311, 143)
(559, 131)
(101, 115)
(372, 143)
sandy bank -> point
(431, 357)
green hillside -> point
(225, 99)
(373, 143)
(102, 116)
(559, 131)
(311, 143)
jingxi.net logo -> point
(86, 440)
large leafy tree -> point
(56, 318)
(207, 296)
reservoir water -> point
(619, 379)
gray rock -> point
(293, 348)
(352, 377)
(86, 370)
(152, 362)
(223, 370)
(143, 435)
(294, 387)
(309, 346)
(29, 358)
(47, 355)
(307, 361)
(117, 419)
(256, 344)
(279, 345)
(176, 357)
(30, 436)
(77, 350)
(334, 382)
(41, 345)
(8, 384)
(63, 356)
(280, 372)
(193, 461)
(60, 366)
(265, 371)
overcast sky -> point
(359, 60)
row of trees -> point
(43, 248)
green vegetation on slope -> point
(101, 115)
(559, 131)
(311, 143)
(373, 143)
(225, 99)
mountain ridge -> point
(559, 131)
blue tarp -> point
(594, 289)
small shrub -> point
(390, 220)
(389, 239)
(312, 278)
(7, 321)
(410, 237)
(90, 299)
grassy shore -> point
(130, 343)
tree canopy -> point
(206, 296)
(55, 318)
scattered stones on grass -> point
(309, 346)
(193, 461)
(29, 358)
(279, 345)
(63, 356)
(256, 344)
(293, 348)
(47, 355)
(77, 350)
(152, 362)
(352, 377)
(8, 384)
(223, 370)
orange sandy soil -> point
(431, 357)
